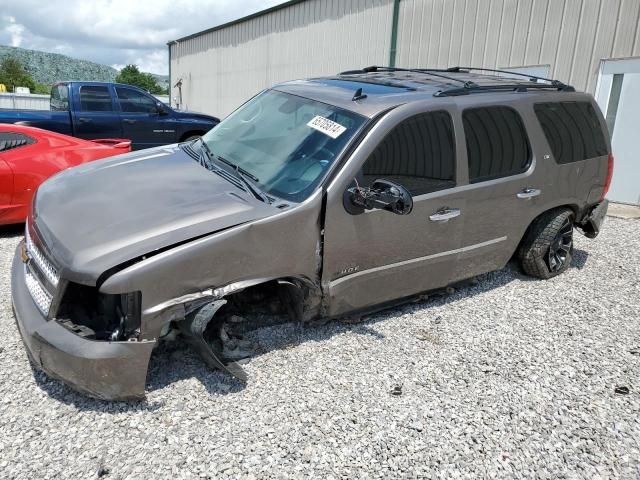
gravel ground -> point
(509, 378)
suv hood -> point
(99, 215)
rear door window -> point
(497, 143)
(572, 129)
(95, 98)
(419, 154)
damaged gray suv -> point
(316, 198)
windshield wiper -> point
(240, 173)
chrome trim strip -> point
(468, 248)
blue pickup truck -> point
(93, 110)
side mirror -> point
(162, 110)
(382, 194)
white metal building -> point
(592, 44)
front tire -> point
(547, 248)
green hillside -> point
(49, 68)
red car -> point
(28, 156)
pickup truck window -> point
(136, 102)
(59, 98)
(285, 141)
(95, 98)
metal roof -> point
(238, 20)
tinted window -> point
(497, 144)
(95, 99)
(419, 154)
(572, 129)
(59, 98)
(133, 101)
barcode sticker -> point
(326, 126)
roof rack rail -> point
(507, 87)
(533, 78)
(435, 72)
(472, 87)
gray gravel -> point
(509, 378)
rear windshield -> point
(572, 129)
(59, 98)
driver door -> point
(375, 256)
(142, 122)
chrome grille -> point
(44, 265)
(40, 296)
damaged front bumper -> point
(100, 369)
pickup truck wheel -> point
(547, 248)
(191, 138)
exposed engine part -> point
(193, 328)
(97, 316)
(235, 348)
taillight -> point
(607, 182)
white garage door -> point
(618, 95)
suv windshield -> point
(284, 141)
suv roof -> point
(374, 89)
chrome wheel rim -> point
(561, 247)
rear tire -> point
(547, 248)
(191, 138)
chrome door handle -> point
(129, 120)
(445, 214)
(529, 193)
(84, 120)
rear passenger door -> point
(372, 257)
(95, 115)
(505, 188)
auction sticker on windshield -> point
(326, 126)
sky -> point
(115, 32)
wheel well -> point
(574, 208)
(192, 133)
(268, 303)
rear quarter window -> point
(572, 129)
(11, 140)
(497, 143)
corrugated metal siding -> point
(571, 36)
(223, 68)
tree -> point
(131, 75)
(42, 89)
(13, 74)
